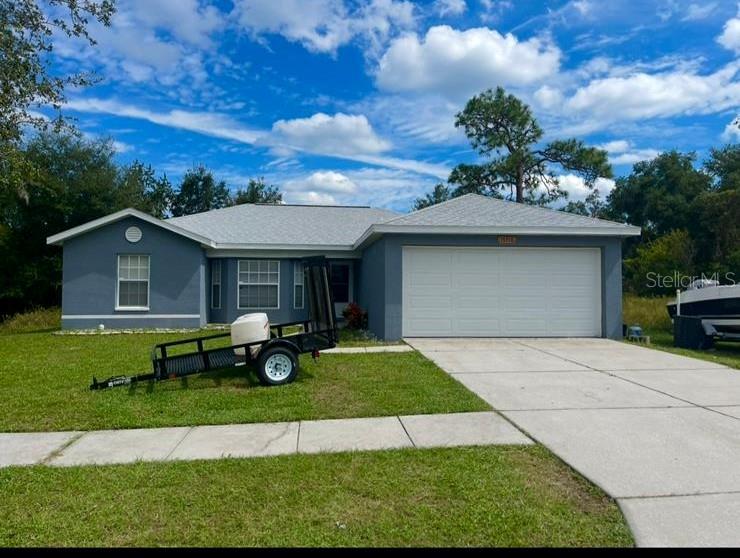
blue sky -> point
(349, 102)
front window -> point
(216, 284)
(259, 284)
(298, 285)
(340, 282)
(133, 282)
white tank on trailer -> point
(250, 328)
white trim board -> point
(117, 216)
(374, 231)
(126, 316)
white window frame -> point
(214, 283)
(239, 283)
(298, 280)
(148, 282)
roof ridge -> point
(237, 206)
(576, 215)
(433, 206)
(515, 204)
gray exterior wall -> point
(177, 296)
(286, 313)
(381, 278)
(180, 279)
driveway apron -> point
(658, 432)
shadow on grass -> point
(219, 379)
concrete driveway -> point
(658, 432)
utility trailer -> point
(276, 358)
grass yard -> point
(44, 381)
(488, 496)
(651, 315)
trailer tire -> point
(277, 366)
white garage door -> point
(501, 292)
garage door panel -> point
(433, 303)
(466, 280)
(431, 327)
(543, 292)
(472, 328)
(430, 280)
(476, 302)
(524, 327)
(513, 303)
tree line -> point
(75, 180)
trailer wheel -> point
(277, 366)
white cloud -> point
(445, 8)
(210, 124)
(301, 132)
(492, 10)
(615, 146)
(458, 63)
(696, 12)
(342, 133)
(310, 198)
(149, 40)
(376, 187)
(634, 156)
(187, 20)
(577, 189)
(122, 147)
(319, 187)
(329, 182)
(731, 133)
(324, 25)
(730, 37)
(548, 97)
(642, 96)
(622, 152)
(583, 7)
(413, 120)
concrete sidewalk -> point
(256, 440)
(657, 431)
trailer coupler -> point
(116, 381)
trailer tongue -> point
(276, 358)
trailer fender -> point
(281, 342)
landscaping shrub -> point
(355, 316)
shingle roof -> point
(262, 224)
(474, 210)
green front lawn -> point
(44, 381)
(651, 315)
(488, 496)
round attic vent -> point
(133, 234)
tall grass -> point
(38, 319)
(647, 312)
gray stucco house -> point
(472, 266)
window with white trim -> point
(259, 284)
(298, 285)
(133, 282)
(216, 284)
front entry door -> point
(341, 285)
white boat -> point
(717, 305)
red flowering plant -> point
(355, 316)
